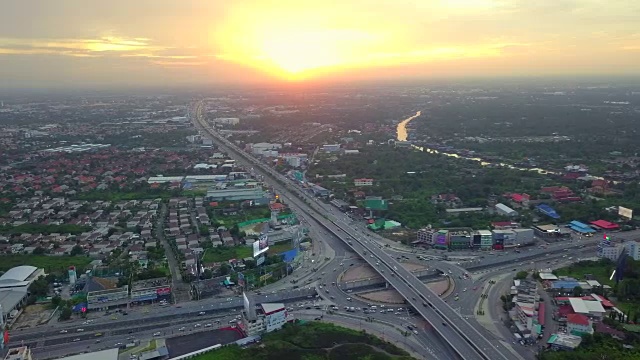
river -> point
(402, 135)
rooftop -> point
(9, 298)
(268, 308)
(18, 273)
(109, 354)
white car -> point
(208, 325)
(63, 331)
(80, 330)
(157, 333)
(182, 329)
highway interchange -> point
(448, 328)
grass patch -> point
(220, 254)
(601, 270)
(48, 263)
(312, 341)
(632, 328)
(152, 346)
(279, 248)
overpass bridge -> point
(466, 340)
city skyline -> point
(72, 44)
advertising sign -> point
(247, 304)
(240, 279)
(260, 261)
(261, 245)
(625, 212)
(276, 320)
(144, 297)
(163, 291)
(441, 239)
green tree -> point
(77, 250)
(65, 313)
(521, 275)
(577, 291)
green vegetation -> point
(313, 341)
(596, 347)
(600, 270)
(521, 275)
(279, 248)
(224, 253)
(243, 214)
(48, 263)
(44, 229)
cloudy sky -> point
(163, 42)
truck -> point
(517, 336)
(351, 309)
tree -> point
(577, 291)
(223, 270)
(39, 251)
(521, 275)
(207, 274)
(77, 250)
(56, 301)
(65, 314)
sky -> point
(81, 43)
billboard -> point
(260, 261)
(163, 291)
(276, 320)
(245, 301)
(261, 245)
(625, 212)
(441, 239)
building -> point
(226, 121)
(633, 249)
(564, 342)
(549, 231)
(264, 318)
(611, 252)
(486, 239)
(105, 299)
(578, 324)
(11, 301)
(506, 238)
(18, 353)
(235, 194)
(363, 182)
(460, 239)
(320, 191)
(592, 309)
(331, 147)
(20, 277)
(503, 209)
(441, 240)
(426, 236)
(605, 225)
(581, 228)
(548, 211)
(165, 179)
(109, 354)
(524, 236)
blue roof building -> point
(548, 210)
(580, 227)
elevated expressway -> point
(466, 340)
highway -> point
(463, 337)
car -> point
(415, 332)
(63, 331)
(444, 324)
(197, 325)
(157, 333)
(76, 339)
(208, 325)
(201, 313)
(79, 330)
(182, 329)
